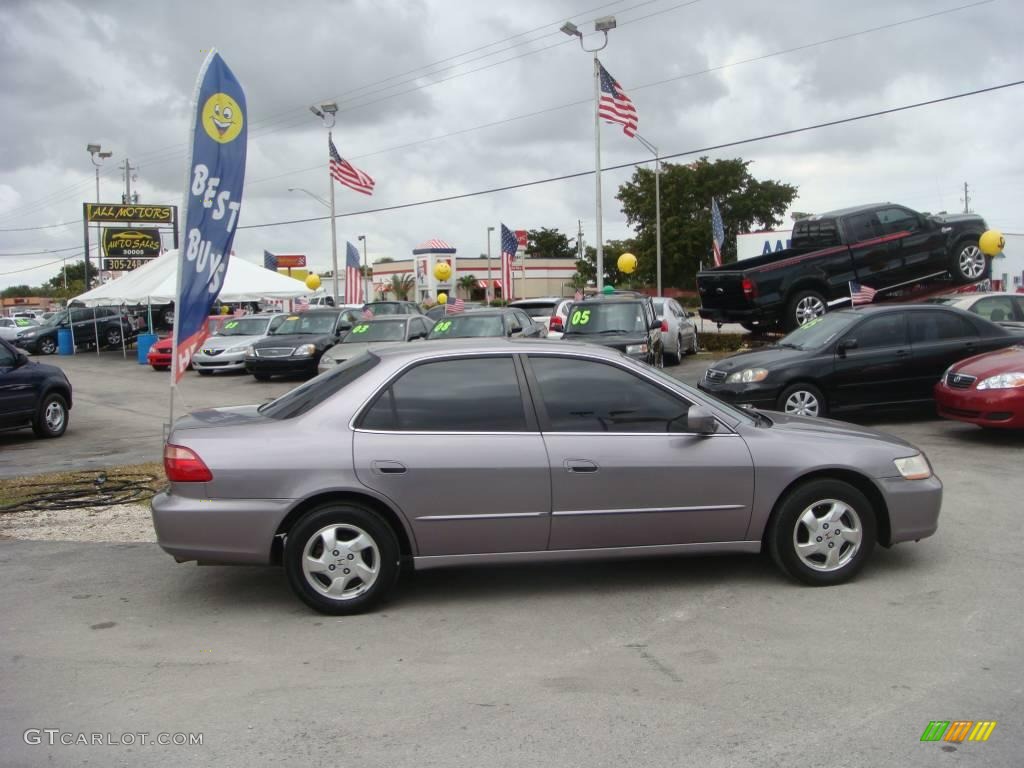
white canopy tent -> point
(156, 283)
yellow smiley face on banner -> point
(222, 118)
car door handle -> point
(901, 353)
(388, 467)
(580, 465)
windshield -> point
(388, 308)
(380, 330)
(468, 326)
(245, 326)
(537, 308)
(318, 389)
(307, 324)
(818, 332)
(622, 317)
(56, 319)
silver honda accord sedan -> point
(497, 451)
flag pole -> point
(597, 171)
(334, 231)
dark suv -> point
(626, 323)
(88, 324)
(32, 394)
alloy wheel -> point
(808, 308)
(972, 262)
(341, 562)
(827, 535)
(802, 403)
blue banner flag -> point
(270, 261)
(213, 198)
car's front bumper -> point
(913, 507)
(226, 361)
(281, 366)
(756, 394)
(1000, 408)
(159, 359)
(217, 530)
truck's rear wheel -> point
(804, 307)
(969, 264)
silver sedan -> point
(225, 350)
(678, 332)
(498, 451)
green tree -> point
(549, 244)
(18, 290)
(401, 285)
(746, 203)
(467, 283)
(586, 268)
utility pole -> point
(579, 240)
(967, 200)
(127, 169)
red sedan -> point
(159, 355)
(987, 389)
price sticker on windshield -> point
(361, 328)
(293, 317)
(232, 324)
(580, 317)
(443, 326)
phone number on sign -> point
(123, 265)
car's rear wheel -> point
(341, 559)
(804, 307)
(51, 419)
(47, 346)
(802, 400)
(693, 344)
(823, 532)
(675, 359)
(969, 263)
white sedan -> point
(10, 326)
(1006, 309)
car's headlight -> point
(239, 348)
(1003, 381)
(747, 376)
(914, 467)
(27, 334)
(305, 350)
(637, 349)
(250, 351)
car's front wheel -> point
(341, 559)
(802, 400)
(51, 419)
(47, 345)
(823, 532)
(112, 337)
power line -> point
(38, 266)
(42, 226)
(645, 161)
(44, 251)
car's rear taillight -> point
(182, 465)
(749, 288)
(664, 326)
(556, 323)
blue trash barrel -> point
(65, 343)
(143, 342)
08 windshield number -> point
(580, 317)
(361, 328)
(443, 326)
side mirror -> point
(700, 421)
(656, 325)
(20, 358)
(845, 345)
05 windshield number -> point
(362, 328)
(443, 326)
(580, 317)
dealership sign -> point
(291, 260)
(125, 214)
(143, 243)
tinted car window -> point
(994, 308)
(895, 220)
(468, 326)
(862, 226)
(609, 400)
(306, 323)
(6, 357)
(475, 395)
(379, 330)
(598, 317)
(938, 326)
(315, 391)
(815, 234)
(888, 330)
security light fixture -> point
(316, 111)
(570, 29)
(329, 107)
(605, 23)
(92, 148)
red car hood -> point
(992, 363)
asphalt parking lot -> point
(701, 661)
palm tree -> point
(467, 283)
(401, 285)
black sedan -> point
(295, 346)
(32, 394)
(855, 358)
(488, 323)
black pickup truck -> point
(879, 246)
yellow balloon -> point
(442, 298)
(627, 263)
(442, 270)
(992, 242)
(312, 282)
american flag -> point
(353, 277)
(717, 232)
(578, 296)
(455, 307)
(345, 173)
(509, 246)
(270, 261)
(614, 105)
(861, 294)
(368, 314)
(301, 304)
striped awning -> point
(433, 246)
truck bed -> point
(758, 261)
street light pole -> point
(95, 152)
(326, 114)
(489, 293)
(602, 25)
(657, 202)
(366, 269)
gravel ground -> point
(125, 522)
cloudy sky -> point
(437, 98)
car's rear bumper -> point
(913, 507)
(1000, 408)
(217, 530)
(753, 315)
